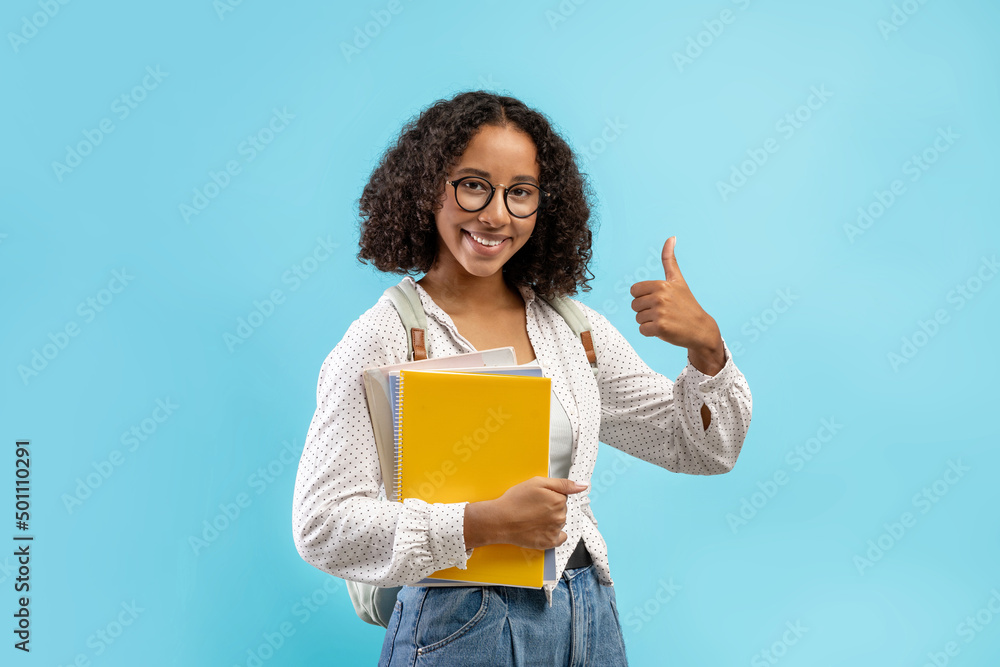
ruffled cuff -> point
(448, 534)
(432, 535)
(721, 381)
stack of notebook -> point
(465, 428)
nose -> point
(496, 212)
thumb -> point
(670, 269)
(564, 486)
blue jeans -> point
(506, 625)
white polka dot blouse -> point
(341, 520)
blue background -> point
(811, 307)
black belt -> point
(580, 556)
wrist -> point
(481, 525)
(708, 358)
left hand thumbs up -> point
(667, 309)
(670, 269)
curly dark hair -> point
(398, 231)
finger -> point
(644, 316)
(645, 302)
(671, 270)
(562, 537)
(649, 329)
(644, 287)
(563, 486)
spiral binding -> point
(399, 440)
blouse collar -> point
(430, 307)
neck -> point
(465, 292)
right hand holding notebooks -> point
(470, 437)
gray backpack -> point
(374, 604)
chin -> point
(483, 271)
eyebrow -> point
(520, 178)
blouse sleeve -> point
(339, 523)
(645, 414)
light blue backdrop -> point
(829, 169)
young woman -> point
(482, 197)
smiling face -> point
(480, 243)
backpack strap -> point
(375, 604)
(407, 302)
(578, 322)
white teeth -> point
(485, 242)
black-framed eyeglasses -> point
(473, 193)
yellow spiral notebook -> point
(470, 437)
